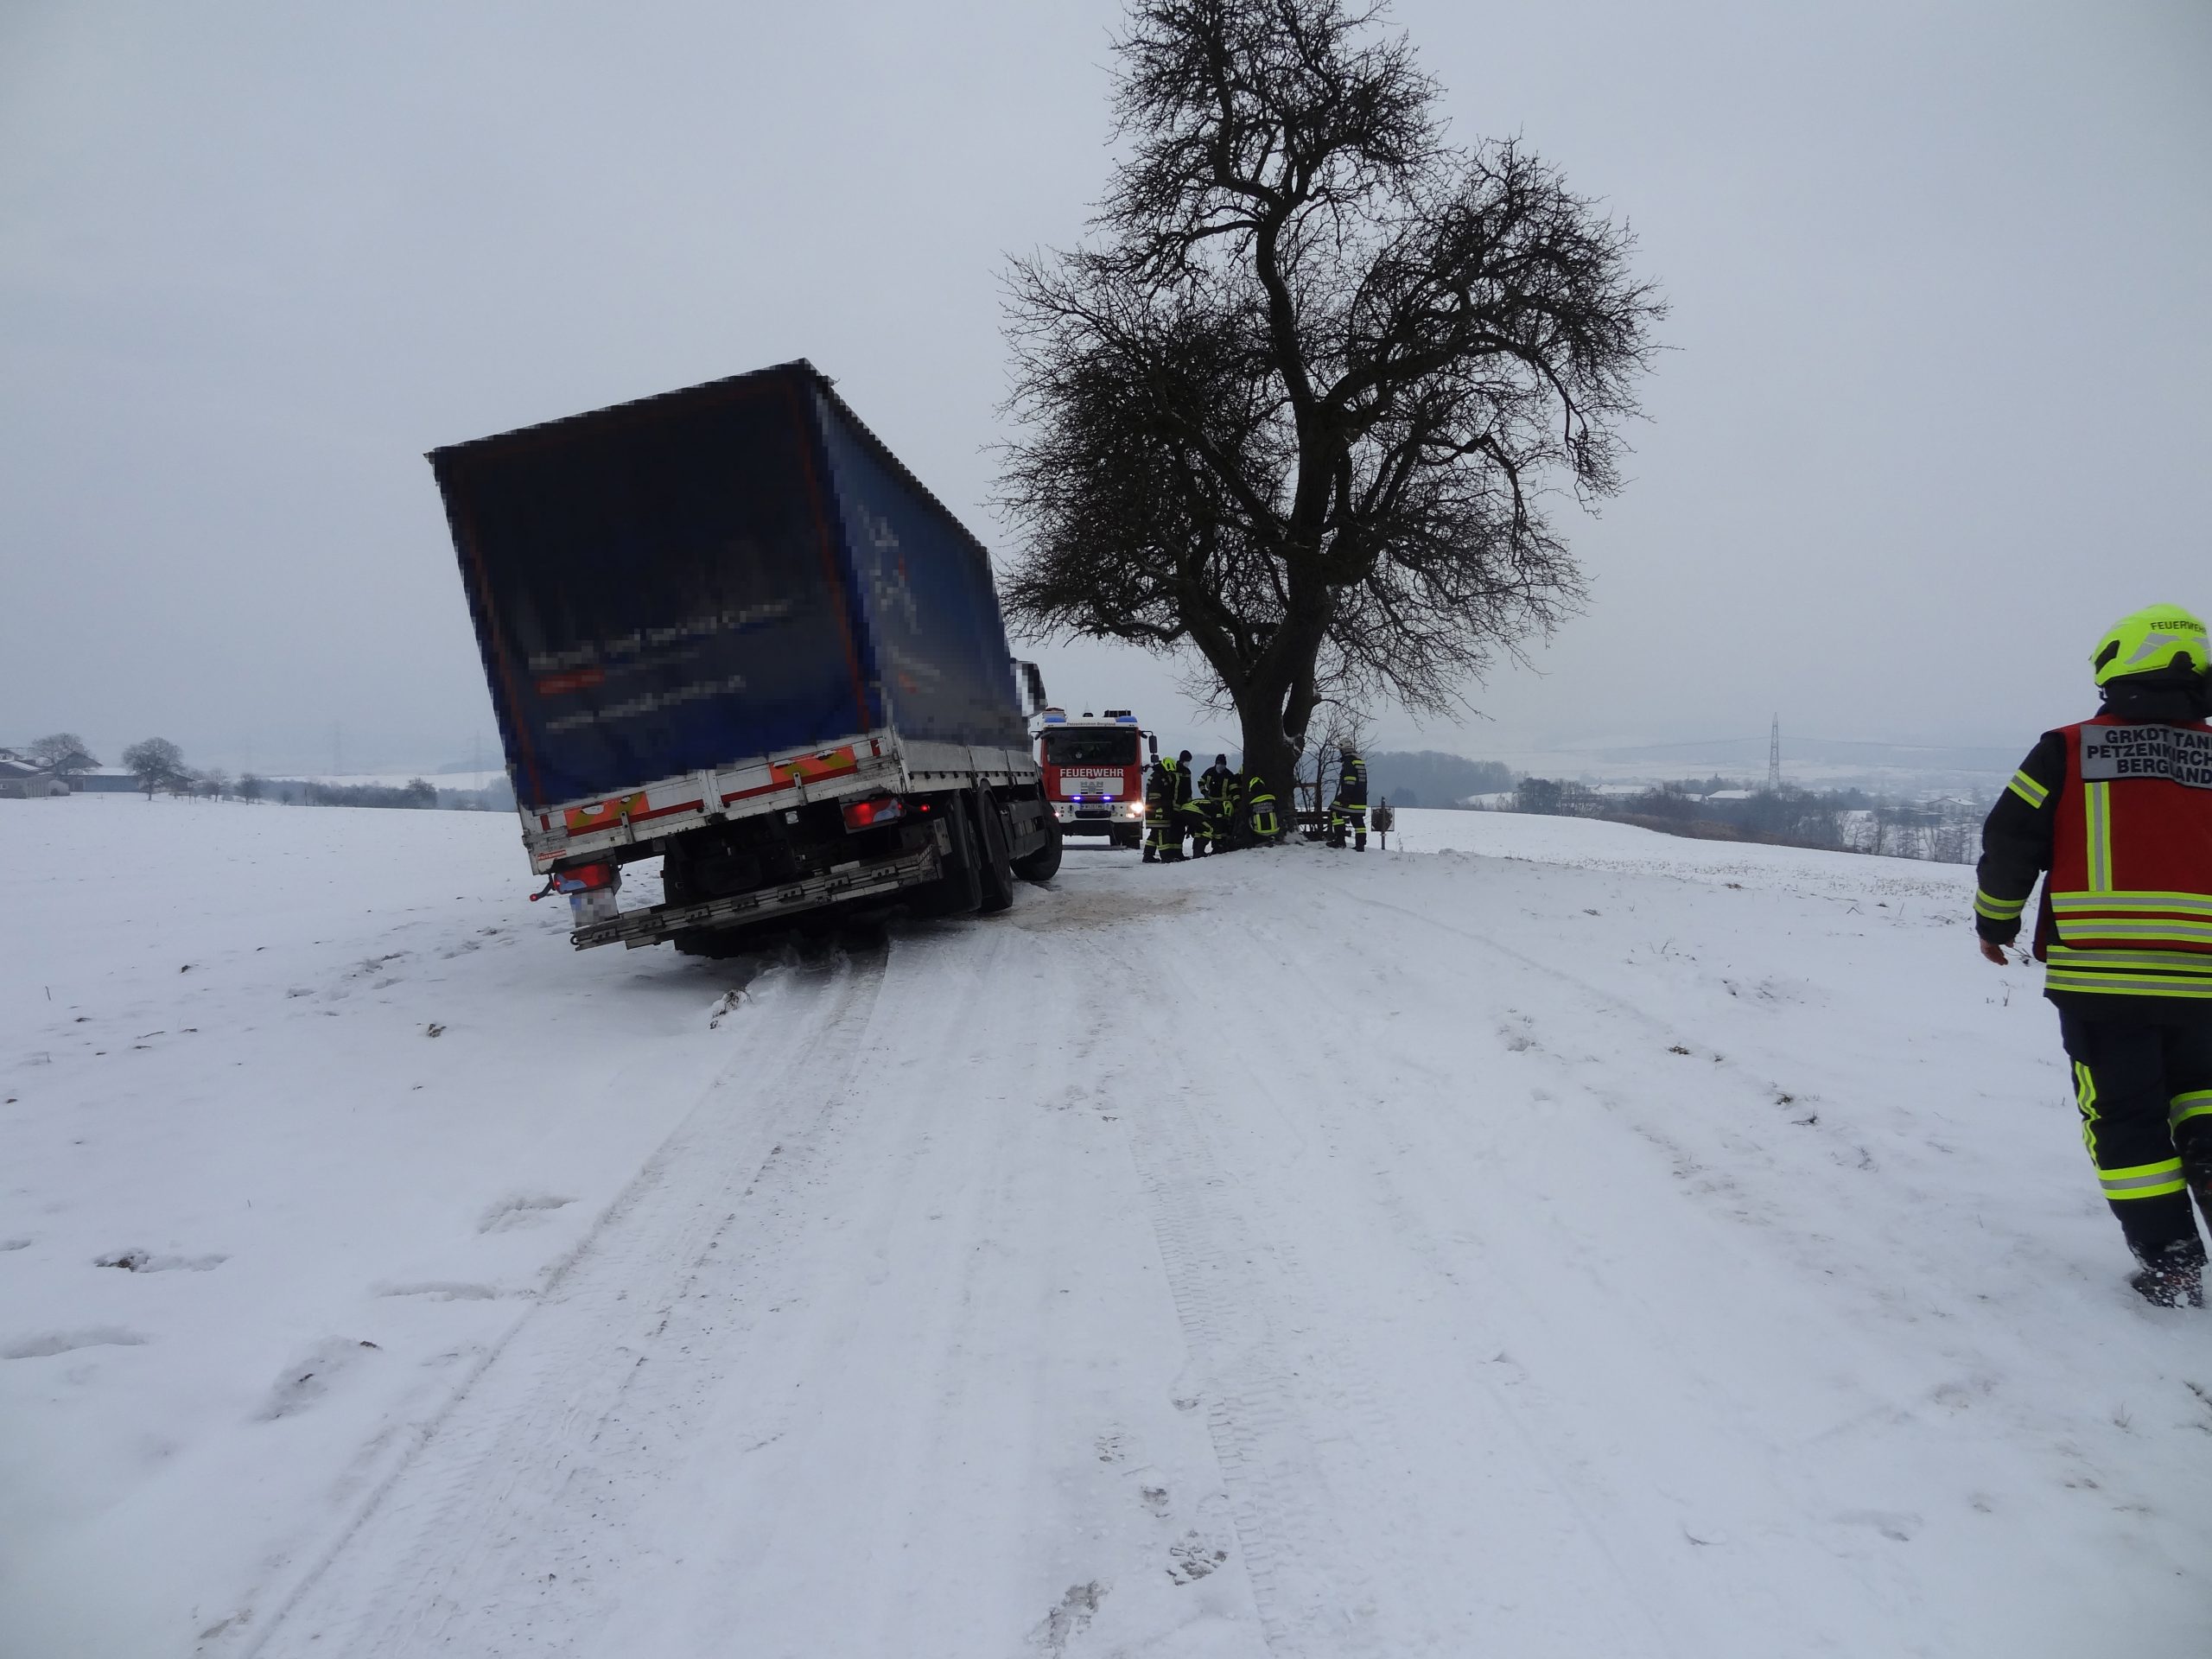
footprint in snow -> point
(520, 1209)
(68, 1342)
(1070, 1619)
(146, 1261)
(1191, 1557)
(441, 1291)
(1893, 1524)
(310, 1376)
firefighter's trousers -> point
(1196, 820)
(2145, 1093)
(1163, 838)
(1352, 818)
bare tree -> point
(1296, 406)
(156, 763)
(1334, 726)
(62, 754)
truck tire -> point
(958, 892)
(993, 849)
(1044, 863)
(716, 943)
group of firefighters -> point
(1222, 809)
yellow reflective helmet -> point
(2156, 639)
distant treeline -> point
(1841, 820)
(416, 791)
(1428, 778)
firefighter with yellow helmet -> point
(2114, 813)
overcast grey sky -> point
(1937, 409)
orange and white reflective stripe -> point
(805, 768)
(600, 814)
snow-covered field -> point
(1546, 1239)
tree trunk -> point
(1270, 752)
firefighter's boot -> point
(2172, 1276)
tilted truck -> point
(726, 628)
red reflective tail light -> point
(865, 815)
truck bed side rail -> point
(878, 762)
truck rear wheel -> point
(1044, 863)
(716, 943)
(993, 852)
(958, 892)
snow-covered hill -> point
(1544, 1238)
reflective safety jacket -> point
(2119, 813)
(1260, 806)
(1160, 791)
(1351, 782)
(1213, 783)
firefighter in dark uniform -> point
(1192, 817)
(1158, 792)
(1259, 814)
(1233, 833)
(1214, 795)
(2116, 813)
(1349, 811)
(1166, 803)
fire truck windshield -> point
(1091, 746)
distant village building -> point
(103, 780)
(24, 780)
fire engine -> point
(1094, 774)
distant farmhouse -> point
(24, 780)
(103, 780)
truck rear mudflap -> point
(635, 928)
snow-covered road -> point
(1547, 1238)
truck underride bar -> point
(635, 928)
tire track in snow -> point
(513, 1432)
(1398, 1163)
(1356, 1433)
(1340, 1558)
(1311, 1594)
(1306, 1581)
